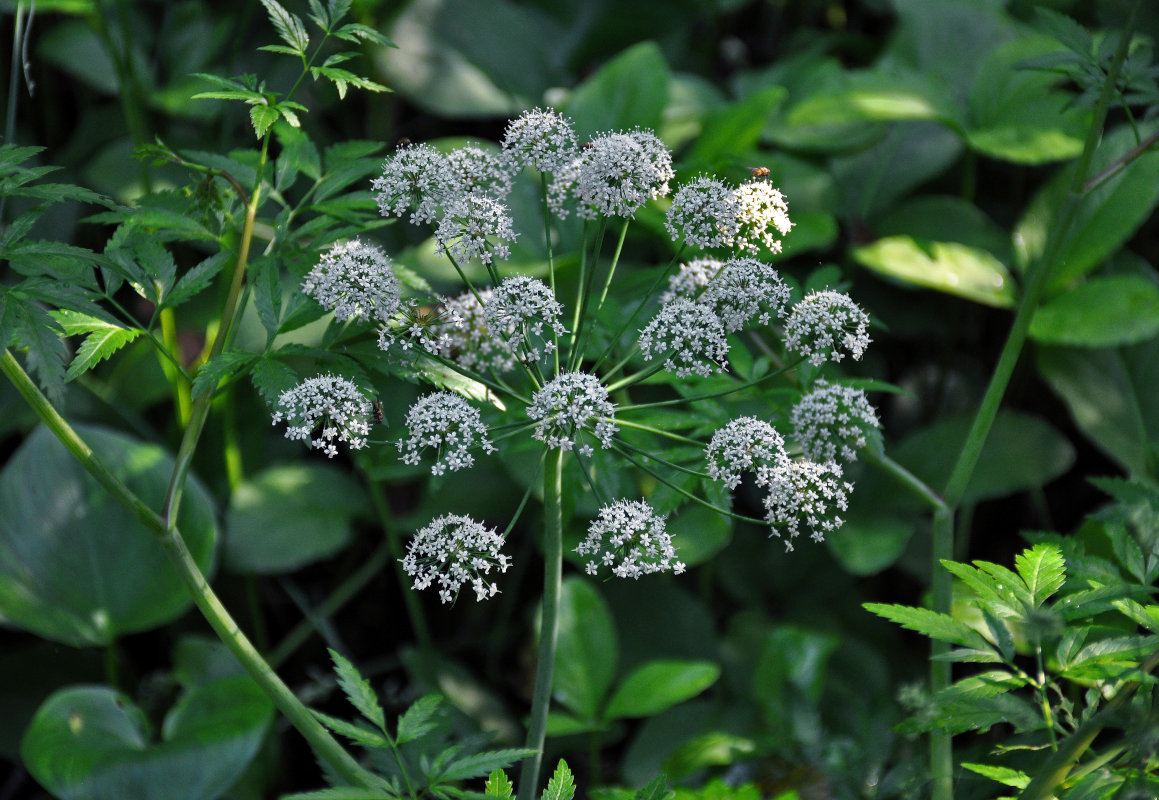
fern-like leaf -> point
(1043, 570)
(929, 623)
(418, 720)
(499, 785)
(358, 690)
(562, 784)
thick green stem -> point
(941, 748)
(549, 624)
(327, 748)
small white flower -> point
(631, 538)
(543, 139)
(421, 326)
(522, 309)
(689, 336)
(825, 324)
(480, 172)
(691, 279)
(330, 402)
(703, 214)
(746, 289)
(619, 172)
(454, 550)
(355, 281)
(570, 403)
(806, 493)
(760, 210)
(448, 423)
(745, 444)
(471, 343)
(833, 420)
(475, 226)
(416, 178)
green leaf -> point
(949, 267)
(271, 377)
(359, 734)
(357, 690)
(628, 91)
(220, 368)
(737, 127)
(930, 623)
(196, 279)
(288, 516)
(288, 26)
(418, 720)
(562, 784)
(27, 325)
(98, 346)
(355, 32)
(498, 785)
(75, 566)
(92, 743)
(1103, 312)
(263, 116)
(1043, 570)
(878, 95)
(659, 685)
(342, 793)
(586, 652)
(656, 790)
(1004, 775)
(479, 764)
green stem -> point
(941, 747)
(549, 624)
(603, 292)
(414, 609)
(327, 748)
(550, 257)
(906, 478)
(180, 388)
(694, 398)
(667, 434)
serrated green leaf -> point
(219, 368)
(355, 32)
(1004, 775)
(656, 790)
(356, 733)
(227, 83)
(196, 279)
(98, 346)
(288, 26)
(479, 764)
(562, 784)
(289, 116)
(498, 785)
(659, 685)
(418, 720)
(279, 48)
(995, 595)
(271, 377)
(358, 690)
(930, 623)
(33, 329)
(999, 633)
(244, 96)
(1043, 570)
(1072, 35)
(262, 118)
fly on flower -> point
(376, 409)
(760, 172)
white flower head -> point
(424, 326)
(827, 325)
(331, 403)
(703, 213)
(746, 289)
(479, 171)
(745, 444)
(619, 172)
(523, 309)
(806, 493)
(688, 335)
(833, 421)
(761, 215)
(540, 138)
(563, 182)
(471, 343)
(691, 279)
(475, 226)
(448, 423)
(631, 538)
(355, 281)
(454, 550)
(568, 404)
(417, 178)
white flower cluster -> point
(690, 280)
(614, 175)
(472, 344)
(420, 326)
(570, 403)
(833, 421)
(454, 550)
(417, 178)
(806, 493)
(745, 444)
(355, 281)
(826, 325)
(477, 171)
(542, 139)
(470, 226)
(329, 401)
(631, 538)
(523, 308)
(746, 289)
(448, 423)
(708, 213)
(688, 335)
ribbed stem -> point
(549, 624)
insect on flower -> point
(376, 410)
(760, 172)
